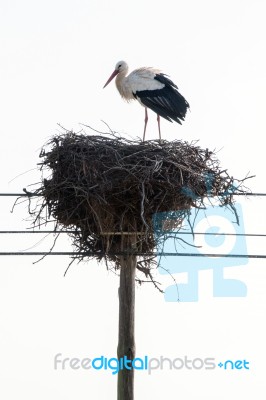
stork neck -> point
(120, 78)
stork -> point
(153, 90)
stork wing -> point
(161, 96)
(144, 79)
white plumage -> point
(153, 90)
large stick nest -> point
(106, 188)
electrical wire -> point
(33, 195)
(80, 254)
(159, 254)
(172, 233)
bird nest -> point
(106, 189)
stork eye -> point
(120, 65)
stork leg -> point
(145, 123)
(159, 126)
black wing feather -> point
(166, 102)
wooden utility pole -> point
(126, 335)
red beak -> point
(111, 77)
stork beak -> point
(111, 77)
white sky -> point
(55, 57)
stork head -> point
(121, 66)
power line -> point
(15, 195)
(34, 195)
(246, 194)
(76, 254)
(170, 233)
(159, 254)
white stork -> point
(153, 90)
